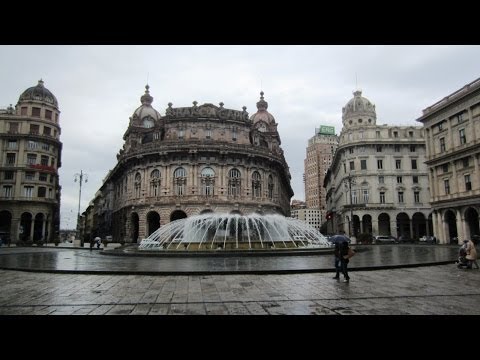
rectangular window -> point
(352, 165)
(29, 175)
(28, 191)
(48, 114)
(399, 179)
(398, 164)
(52, 162)
(32, 144)
(446, 183)
(13, 128)
(445, 168)
(7, 191)
(45, 147)
(379, 148)
(442, 144)
(440, 126)
(208, 134)
(395, 134)
(400, 197)
(42, 191)
(460, 117)
(365, 196)
(234, 134)
(31, 159)
(44, 160)
(181, 133)
(397, 148)
(354, 197)
(23, 111)
(42, 177)
(377, 134)
(415, 179)
(410, 133)
(47, 131)
(12, 145)
(350, 150)
(34, 129)
(379, 164)
(363, 164)
(35, 111)
(414, 164)
(416, 196)
(465, 162)
(382, 197)
(468, 184)
(11, 159)
(381, 180)
(463, 138)
(8, 175)
(156, 136)
(412, 148)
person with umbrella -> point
(345, 254)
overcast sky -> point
(99, 87)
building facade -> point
(452, 134)
(193, 160)
(30, 157)
(320, 151)
(378, 183)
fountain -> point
(212, 231)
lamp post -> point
(348, 181)
(81, 178)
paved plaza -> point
(423, 290)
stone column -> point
(393, 228)
(459, 221)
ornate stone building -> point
(378, 177)
(197, 159)
(320, 151)
(30, 155)
(452, 133)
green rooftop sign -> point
(327, 130)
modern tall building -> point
(452, 134)
(320, 151)
(192, 160)
(378, 183)
(30, 156)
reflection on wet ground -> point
(85, 261)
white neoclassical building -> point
(452, 133)
(377, 183)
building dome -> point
(359, 111)
(262, 114)
(146, 109)
(39, 93)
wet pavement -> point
(412, 290)
(64, 260)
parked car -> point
(405, 239)
(385, 239)
(428, 239)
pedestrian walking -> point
(337, 261)
(98, 241)
(345, 254)
(471, 255)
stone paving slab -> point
(431, 290)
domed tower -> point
(264, 130)
(33, 157)
(358, 111)
(144, 123)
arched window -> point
(180, 181)
(256, 185)
(155, 182)
(270, 187)
(137, 184)
(234, 182)
(208, 181)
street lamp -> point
(81, 178)
(348, 181)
